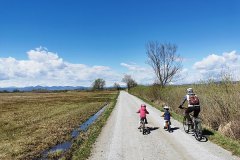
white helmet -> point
(166, 107)
(190, 91)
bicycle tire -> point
(198, 130)
(185, 125)
(169, 128)
(143, 128)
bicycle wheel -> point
(169, 127)
(143, 128)
(185, 124)
(198, 130)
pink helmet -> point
(143, 105)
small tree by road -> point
(129, 81)
(117, 86)
(164, 60)
(98, 84)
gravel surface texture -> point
(121, 140)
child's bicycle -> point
(142, 127)
(195, 126)
(168, 126)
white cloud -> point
(133, 67)
(212, 66)
(142, 75)
(213, 61)
(47, 68)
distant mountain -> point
(49, 88)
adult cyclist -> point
(193, 104)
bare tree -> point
(164, 61)
(98, 84)
(117, 86)
(129, 81)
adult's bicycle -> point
(195, 126)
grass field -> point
(32, 122)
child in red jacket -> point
(143, 111)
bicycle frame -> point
(195, 127)
(168, 125)
(142, 126)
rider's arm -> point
(184, 100)
(147, 112)
(163, 114)
(138, 111)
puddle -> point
(85, 125)
(62, 147)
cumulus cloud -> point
(213, 66)
(47, 68)
(143, 75)
(213, 61)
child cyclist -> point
(143, 111)
(167, 116)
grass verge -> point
(214, 136)
(81, 148)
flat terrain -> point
(32, 122)
(121, 140)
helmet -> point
(166, 107)
(143, 105)
(190, 91)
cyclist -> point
(143, 111)
(193, 104)
(166, 116)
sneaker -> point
(146, 122)
(139, 127)
(164, 127)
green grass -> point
(225, 142)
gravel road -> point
(121, 140)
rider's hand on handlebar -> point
(180, 107)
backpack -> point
(193, 100)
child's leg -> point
(165, 124)
(139, 123)
(146, 120)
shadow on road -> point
(174, 128)
(206, 133)
(149, 129)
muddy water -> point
(65, 146)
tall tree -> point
(129, 81)
(164, 60)
(98, 84)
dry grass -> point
(32, 122)
(220, 108)
(220, 103)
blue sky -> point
(111, 35)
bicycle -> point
(142, 127)
(195, 126)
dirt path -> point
(120, 138)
